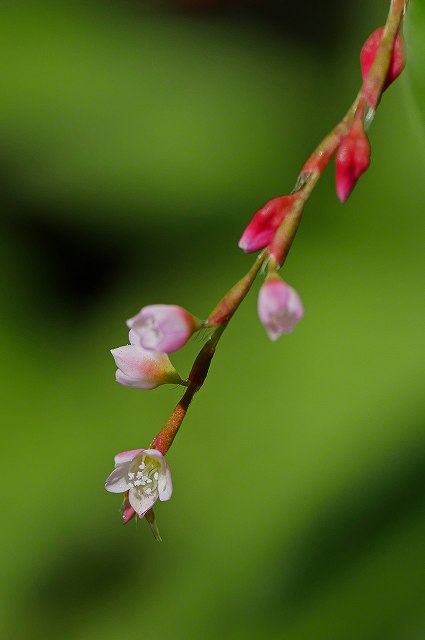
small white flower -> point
(153, 483)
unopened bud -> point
(265, 222)
(143, 369)
(279, 307)
(163, 327)
(352, 159)
(370, 49)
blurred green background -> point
(137, 140)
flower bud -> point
(352, 159)
(143, 369)
(127, 510)
(265, 222)
(279, 307)
(370, 49)
(163, 327)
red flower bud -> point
(352, 159)
(265, 222)
(370, 49)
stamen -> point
(156, 475)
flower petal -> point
(141, 502)
(165, 484)
(126, 381)
(117, 481)
(126, 456)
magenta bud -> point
(352, 159)
(163, 327)
(370, 49)
(265, 222)
(279, 307)
(127, 510)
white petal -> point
(126, 456)
(134, 338)
(142, 502)
(165, 484)
(126, 381)
(117, 481)
(130, 359)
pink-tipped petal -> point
(126, 456)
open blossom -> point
(265, 222)
(163, 327)
(146, 476)
(352, 159)
(279, 307)
(142, 368)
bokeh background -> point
(137, 139)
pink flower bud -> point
(163, 327)
(142, 368)
(352, 159)
(279, 307)
(265, 222)
(370, 49)
(127, 510)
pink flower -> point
(370, 49)
(265, 222)
(146, 476)
(352, 159)
(142, 368)
(279, 307)
(163, 327)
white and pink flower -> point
(143, 368)
(163, 327)
(145, 474)
(279, 307)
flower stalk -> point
(273, 229)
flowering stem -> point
(277, 251)
(375, 80)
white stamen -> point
(142, 465)
(131, 475)
(148, 490)
(139, 474)
(156, 475)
